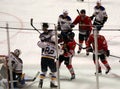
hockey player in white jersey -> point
(100, 16)
(47, 33)
(48, 61)
(16, 65)
(64, 24)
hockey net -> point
(3, 72)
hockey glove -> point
(98, 25)
(104, 20)
(91, 17)
(72, 25)
(70, 30)
(65, 50)
(58, 28)
(108, 53)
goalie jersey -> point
(15, 62)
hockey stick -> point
(115, 57)
(33, 79)
(78, 11)
(31, 22)
(81, 46)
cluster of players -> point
(66, 44)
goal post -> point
(96, 56)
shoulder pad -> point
(68, 18)
(61, 16)
(101, 8)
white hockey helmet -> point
(98, 3)
(65, 11)
(17, 52)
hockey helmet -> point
(83, 11)
(17, 52)
(65, 11)
(98, 3)
(70, 35)
(45, 25)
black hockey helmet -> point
(70, 35)
(83, 11)
(45, 25)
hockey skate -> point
(87, 53)
(108, 70)
(72, 77)
(52, 85)
(99, 72)
(78, 51)
(40, 83)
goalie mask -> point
(17, 52)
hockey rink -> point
(17, 13)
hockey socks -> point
(40, 83)
(70, 68)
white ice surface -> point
(18, 13)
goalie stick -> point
(31, 22)
(29, 79)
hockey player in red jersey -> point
(85, 27)
(102, 51)
(69, 49)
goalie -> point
(15, 64)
